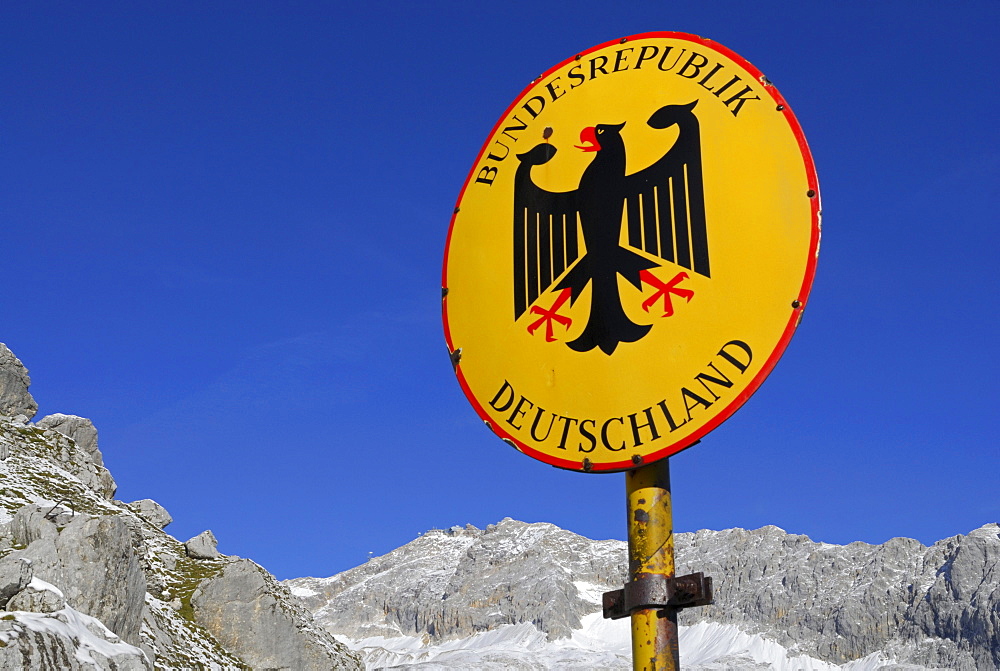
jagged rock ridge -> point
(460, 581)
(933, 607)
(88, 582)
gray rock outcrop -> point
(36, 598)
(34, 522)
(203, 546)
(77, 451)
(457, 582)
(241, 607)
(962, 602)
(15, 575)
(930, 606)
(151, 511)
(14, 382)
(91, 560)
(80, 429)
(933, 607)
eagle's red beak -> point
(588, 136)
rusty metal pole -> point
(651, 553)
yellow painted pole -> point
(651, 552)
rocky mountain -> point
(89, 582)
(517, 595)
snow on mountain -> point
(527, 596)
(598, 644)
(93, 644)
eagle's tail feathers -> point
(629, 265)
(577, 278)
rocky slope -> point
(936, 606)
(88, 582)
(461, 581)
(895, 605)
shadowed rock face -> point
(931, 606)
(14, 382)
(242, 608)
(15, 575)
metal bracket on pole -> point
(658, 591)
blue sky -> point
(224, 229)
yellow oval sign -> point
(630, 253)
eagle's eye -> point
(600, 130)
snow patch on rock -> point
(598, 644)
(95, 644)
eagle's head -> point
(591, 136)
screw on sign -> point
(628, 259)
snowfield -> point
(599, 644)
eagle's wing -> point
(665, 203)
(545, 231)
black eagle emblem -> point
(664, 212)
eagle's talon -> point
(549, 315)
(664, 289)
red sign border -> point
(793, 320)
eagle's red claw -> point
(664, 289)
(550, 315)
